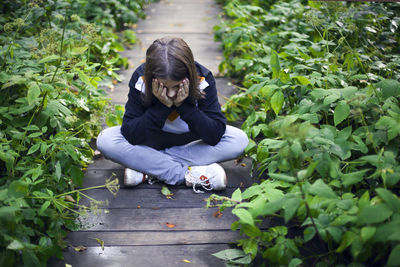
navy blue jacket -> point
(143, 125)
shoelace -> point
(151, 179)
(203, 180)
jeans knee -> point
(100, 141)
(104, 140)
(240, 140)
(243, 139)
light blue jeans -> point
(170, 165)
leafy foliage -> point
(320, 99)
(54, 61)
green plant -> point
(321, 109)
(54, 63)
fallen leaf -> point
(114, 81)
(217, 214)
(170, 225)
(101, 242)
(79, 248)
(69, 199)
(106, 211)
(165, 191)
(243, 164)
(187, 261)
(68, 265)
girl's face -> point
(172, 87)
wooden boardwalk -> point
(140, 226)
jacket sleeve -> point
(205, 119)
(140, 123)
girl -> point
(173, 128)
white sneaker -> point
(210, 177)
(133, 178)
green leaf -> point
(302, 80)
(83, 77)
(34, 135)
(44, 206)
(335, 232)
(342, 111)
(58, 170)
(244, 216)
(367, 233)
(77, 175)
(347, 239)
(391, 200)
(395, 236)
(353, 177)
(290, 208)
(282, 177)
(33, 92)
(237, 195)
(321, 189)
(295, 262)
(233, 255)
(33, 148)
(78, 50)
(166, 192)
(309, 233)
(374, 214)
(49, 59)
(275, 66)
(277, 101)
(389, 88)
(394, 259)
(15, 245)
(18, 188)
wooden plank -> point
(140, 219)
(152, 198)
(121, 256)
(101, 169)
(152, 238)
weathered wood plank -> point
(152, 238)
(152, 198)
(140, 219)
(101, 169)
(166, 256)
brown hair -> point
(170, 58)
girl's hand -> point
(161, 93)
(183, 92)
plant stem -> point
(61, 49)
(309, 212)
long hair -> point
(170, 58)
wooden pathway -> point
(140, 226)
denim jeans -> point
(170, 165)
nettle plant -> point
(53, 66)
(323, 122)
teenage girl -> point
(173, 128)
